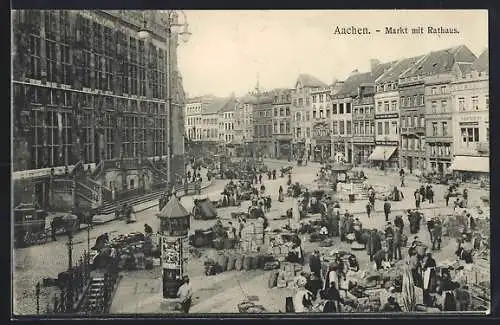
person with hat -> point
(185, 294)
(436, 233)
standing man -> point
(260, 178)
(465, 196)
(437, 231)
(430, 227)
(387, 209)
(185, 294)
(315, 264)
(389, 238)
(417, 199)
(368, 209)
(398, 239)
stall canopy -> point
(173, 209)
(383, 153)
(471, 164)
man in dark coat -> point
(430, 226)
(422, 193)
(389, 238)
(398, 242)
(387, 209)
(368, 209)
(315, 263)
(437, 231)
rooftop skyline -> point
(230, 49)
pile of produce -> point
(230, 260)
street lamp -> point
(70, 222)
(173, 27)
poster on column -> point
(171, 252)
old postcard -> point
(265, 161)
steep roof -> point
(440, 61)
(351, 84)
(308, 81)
(215, 106)
(228, 105)
(173, 209)
(482, 62)
(380, 69)
(397, 69)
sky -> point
(229, 49)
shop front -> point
(321, 146)
(283, 148)
(472, 168)
(382, 155)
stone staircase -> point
(94, 300)
(109, 207)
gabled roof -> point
(173, 209)
(308, 81)
(215, 106)
(397, 69)
(482, 62)
(440, 61)
(464, 67)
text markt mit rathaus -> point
(353, 30)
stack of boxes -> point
(287, 274)
(252, 236)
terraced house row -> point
(428, 113)
(424, 113)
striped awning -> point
(382, 153)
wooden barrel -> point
(247, 262)
(231, 261)
(238, 263)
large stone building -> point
(321, 124)
(447, 65)
(226, 123)
(301, 110)
(202, 122)
(412, 85)
(88, 92)
(282, 123)
(387, 110)
(244, 124)
(470, 104)
(263, 124)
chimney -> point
(373, 64)
(355, 71)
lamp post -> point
(173, 27)
(70, 223)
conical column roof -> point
(173, 209)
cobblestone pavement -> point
(221, 293)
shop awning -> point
(471, 164)
(383, 153)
